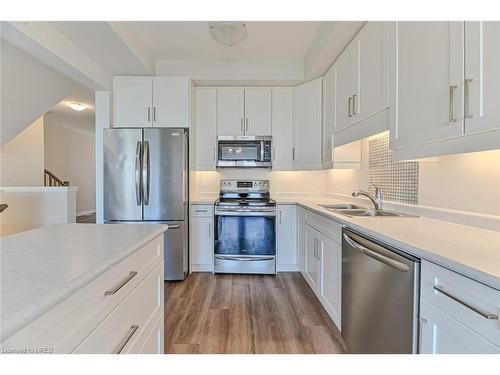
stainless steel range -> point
(245, 228)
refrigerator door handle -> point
(138, 162)
(145, 173)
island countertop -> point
(43, 266)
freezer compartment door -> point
(165, 174)
(122, 174)
(176, 250)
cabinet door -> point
(311, 273)
(373, 70)
(482, 76)
(330, 254)
(258, 111)
(343, 95)
(202, 242)
(441, 334)
(307, 120)
(206, 128)
(282, 128)
(286, 238)
(301, 238)
(328, 118)
(132, 102)
(430, 72)
(171, 102)
(230, 113)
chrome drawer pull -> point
(126, 339)
(486, 315)
(130, 276)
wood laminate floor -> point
(209, 313)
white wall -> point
(29, 89)
(284, 182)
(466, 182)
(70, 155)
(22, 158)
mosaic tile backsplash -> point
(398, 180)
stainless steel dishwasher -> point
(380, 294)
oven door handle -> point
(244, 258)
(245, 213)
(244, 210)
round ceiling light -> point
(77, 106)
(228, 33)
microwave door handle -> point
(262, 151)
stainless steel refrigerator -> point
(146, 181)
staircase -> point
(50, 179)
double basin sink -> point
(353, 210)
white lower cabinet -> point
(323, 262)
(286, 239)
(201, 244)
(441, 334)
(457, 315)
(330, 287)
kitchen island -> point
(83, 288)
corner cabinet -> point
(307, 125)
(205, 129)
(151, 102)
(244, 111)
(447, 88)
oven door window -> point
(245, 235)
(239, 151)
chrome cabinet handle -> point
(349, 103)
(381, 258)
(149, 114)
(120, 285)
(138, 161)
(293, 153)
(145, 173)
(246, 125)
(154, 114)
(315, 252)
(126, 339)
(467, 113)
(451, 114)
(214, 152)
(280, 217)
(354, 107)
(484, 314)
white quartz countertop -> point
(43, 266)
(467, 250)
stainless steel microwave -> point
(244, 152)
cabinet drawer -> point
(202, 210)
(123, 328)
(328, 227)
(465, 300)
(68, 323)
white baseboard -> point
(83, 213)
(287, 268)
(202, 268)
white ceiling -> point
(63, 115)
(266, 41)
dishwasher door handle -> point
(373, 254)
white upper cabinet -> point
(307, 125)
(482, 76)
(258, 111)
(231, 111)
(171, 102)
(430, 57)
(206, 128)
(151, 101)
(244, 111)
(362, 85)
(282, 127)
(373, 61)
(132, 101)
